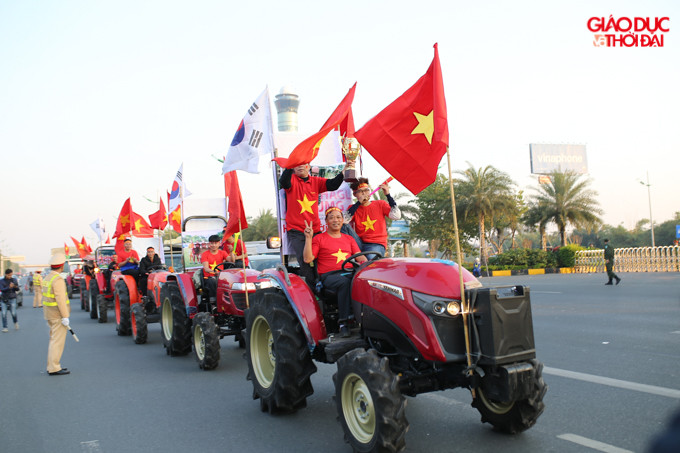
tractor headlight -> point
(453, 308)
(434, 305)
(252, 286)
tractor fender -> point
(99, 276)
(304, 304)
(186, 288)
(129, 282)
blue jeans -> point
(12, 304)
(368, 247)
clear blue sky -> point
(100, 101)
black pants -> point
(296, 242)
(210, 285)
(341, 284)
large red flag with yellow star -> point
(410, 136)
(140, 228)
(307, 150)
(124, 221)
(159, 219)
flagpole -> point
(243, 251)
(463, 302)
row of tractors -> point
(413, 333)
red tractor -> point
(99, 293)
(411, 337)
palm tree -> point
(535, 216)
(484, 193)
(567, 199)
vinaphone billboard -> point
(548, 158)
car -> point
(265, 261)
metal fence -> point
(634, 259)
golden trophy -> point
(351, 149)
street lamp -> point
(649, 196)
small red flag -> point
(66, 249)
(88, 249)
(159, 219)
(235, 207)
(410, 136)
(80, 247)
(307, 150)
(140, 228)
(124, 224)
(108, 239)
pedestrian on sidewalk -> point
(9, 287)
(609, 263)
(57, 309)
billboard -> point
(548, 158)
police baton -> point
(75, 337)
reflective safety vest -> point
(48, 293)
(37, 280)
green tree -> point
(482, 194)
(567, 199)
(261, 227)
(535, 218)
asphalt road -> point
(612, 358)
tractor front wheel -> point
(83, 295)
(514, 417)
(122, 296)
(102, 309)
(279, 363)
(175, 324)
(206, 341)
(370, 406)
(138, 321)
(92, 298)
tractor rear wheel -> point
(206, 341)
(83, 295)
(122, 296)
(175, 324)
(279, 363)
(102, 309)
(92, 298)
(138, 323)
(517, 416)
(370, 406)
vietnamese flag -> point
(410, 136)
(124, 224)
(66, 249)
(80, 247)
(88, 249)
(108, 239)
(307, 150)
(159, 219)
(139, 227)
(237, 216)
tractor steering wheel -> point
(157, 267)
(352, 260)
(224, 266)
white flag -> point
(252, 139)
(99, 228)
(179, 190)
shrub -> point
(566, 256)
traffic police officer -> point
(37, 290)
(57, 309)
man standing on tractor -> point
(149, 261)
(331, 249)
(302, 207)
(368, 216)
(209, 259)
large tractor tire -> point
(140, 331)
(122, 297)
(206, 341)
(518, 416)
(92, 298)
(69, 291)
(279, 363)
(175, 324)
(83, 295)
(102, 309)
(371, 409)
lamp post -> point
(649, 197)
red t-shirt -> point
(302, 202)
(240, 250)
(330, 252)
(122, 257)
(369, 222)
(213, 260)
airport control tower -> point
(287, 108)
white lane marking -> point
(654, 390)
(443, 399)
(546, 292)
(91, 446)
(590, 443)
(677, 331)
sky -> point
(101, 101)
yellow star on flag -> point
(138, 225)
(425, 125)
(306, 204)
(81, 246)
(121, 237)
(368, 224)
(176, 216)
(124, 219)
(340, 255)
